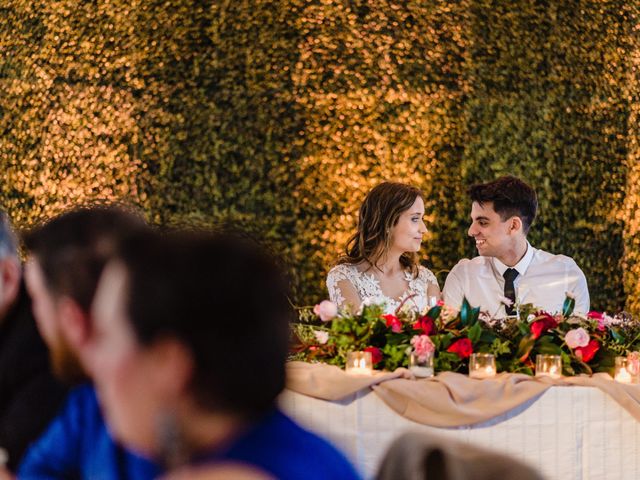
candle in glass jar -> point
(421, 365)
(549, 366)
(482, 365)
(622, 373)
(359, 363)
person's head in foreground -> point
(502, 212)
(390, 223)
(190, 341)
(66, 257)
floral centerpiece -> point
(586, 343)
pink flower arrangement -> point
(422, 346)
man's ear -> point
(75, 323)
(11, 274)
(176, 366)
(515, 225)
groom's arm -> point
(580, 291)
(453, 290)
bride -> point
(381, 261)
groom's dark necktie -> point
(510, 275)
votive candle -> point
(622, 373)
(549, 366)
(421, 365)
(482, 365)
(359, 363)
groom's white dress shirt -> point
(543, 280)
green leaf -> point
(465, 312)
(548, 348)
(617, 335)
(525, 347)
(434, 312)
(475, 313)
(474, 333)
(569, 305)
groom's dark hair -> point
(511, 197)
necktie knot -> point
(510, 274)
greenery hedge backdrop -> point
(281, 115)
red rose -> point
(376, 354)
(586, 354)
(426, 324)
(393, 322)
(595, 315)
(463, 348)
(599, 317)
(544, 323)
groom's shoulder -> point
(474, 264)
(555, 258)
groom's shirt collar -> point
(521, 266)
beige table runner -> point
(449, 399)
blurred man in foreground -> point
(66, 258)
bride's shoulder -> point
(426, 275)
(343, 270)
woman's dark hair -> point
(226, 300)
(379, 212)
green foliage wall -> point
(280, 115)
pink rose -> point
(393, 322)
(578, 337)
(326, 310)
(422, 346)
(321, 336)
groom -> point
(508, 266)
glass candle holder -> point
(359, 363)
(633, 361)
(421, 366)
(549, 366)
(482, 365)
(622, 373)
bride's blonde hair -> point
(379, 212)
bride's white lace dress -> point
(369, 291)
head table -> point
(569, 428)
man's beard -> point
(65, 363)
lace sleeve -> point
(427, 277)
(342, 291)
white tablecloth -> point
(567, 433)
